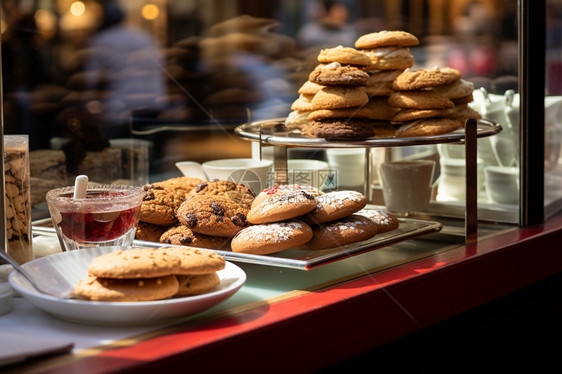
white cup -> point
(451, 150)
(349, 163)
(407, 185)
(315, 173)
(451, 182)
(247, 171)
(502, 184)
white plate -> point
(62, 271)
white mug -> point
(407, 185)
(249, 172)
(349, 164)
(451, 182)
(502, 184)
(315, 173)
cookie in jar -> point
(17, 198)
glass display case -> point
(123, 90)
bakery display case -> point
(124, 93)
(142, 93)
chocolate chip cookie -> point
(238, 193)
(214, 215)
(183, 235)
(162, 199)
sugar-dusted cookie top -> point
(384, 220)
(348, 230)
(271, 237)
(335, 205)
(282, 207)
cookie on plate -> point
(149, 232)
(428, 127)
(407, 115)
(339, 129)
(456, 90)
(348, 230)
(343, 55)
(282, 207)
(271, 237)
(419, 99)
(196, 284)
(309, 88)
(303, 103)
(162, 199)
(380, 108)
(386, 38)
(389, 58)
(215, 214)
(196, 260)
(380, 82)
(275, 190)
(134, 263)
(236, 192)
(425, 78)
(335, 205)
(384, 220)
(383, 129)
(463, 112)
(146, 289)
(357, 112)
(335, 74)
(183, 235)
(335, 97)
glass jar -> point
(17, 198)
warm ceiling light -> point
(77, 8)
(150, 11)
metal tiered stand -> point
(274, 133)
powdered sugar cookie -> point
(351, 229)
(282, 207)
(335, 205)
(385, 221)
(274, 191)
(271, 237)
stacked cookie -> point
(158, 217)
(431, 102)
(144, 274)
(334, 97)
(162, 199)
(390, 55)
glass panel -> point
(122, 90)
(553, 108)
